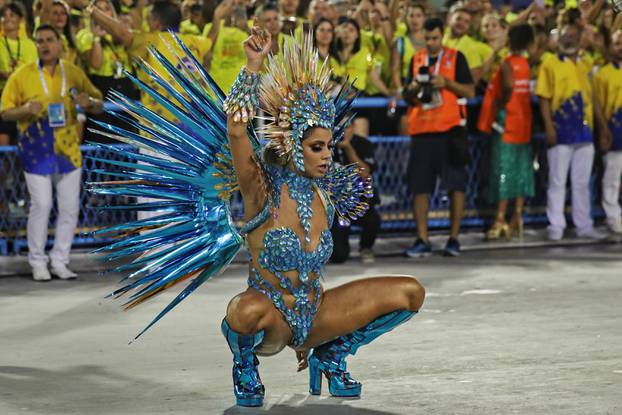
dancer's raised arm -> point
(241, 105)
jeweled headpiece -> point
(295, 94)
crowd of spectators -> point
(572, 51)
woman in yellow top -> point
(405, 46)
(229, 29)
(105, 59)
(378, 40)
(494, 33)
(56, 14)
(15, 50)
(323, 36)
(351, 60)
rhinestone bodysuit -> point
(282, 251)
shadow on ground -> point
(300, 404)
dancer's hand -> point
(301, 356)
(256, 47)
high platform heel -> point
(329, 358)
(497, 231)
(247, 386)
(517, 226)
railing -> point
(396, 202)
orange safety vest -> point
(452, 111)
(517, 126)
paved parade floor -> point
(515, 331)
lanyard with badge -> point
(56, 110)
(14, 60)
(437, 99)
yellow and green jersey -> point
(567, 83)
(15, 53)
(608, 92)
(46, 149)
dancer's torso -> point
(285, 264)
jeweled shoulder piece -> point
(242, 101)
(347, 191)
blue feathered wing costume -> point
(185, 171)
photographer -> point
(438, 78)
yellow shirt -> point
(406, 50)
(162, 41)
(42, 147)
(228, 56)
(357, 66)
(474, 51)
(381, 57)
(567, 84)
(608, 92)
(401, 29)
(188, 28)
(15, 53)
(113, 54)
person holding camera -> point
(438, 80)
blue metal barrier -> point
(396, 202)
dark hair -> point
(272, 156)
(419, 6)
(167, 13)
(331, 47)
(520, 37)
(357, 43)
(572, 17)
(433, 23)
(16, 8)
(269, 6)
(48, 27)
(67, 28)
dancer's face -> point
(316, 151)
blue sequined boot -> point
(330, 358)
(247, 386)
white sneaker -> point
(367, 256)
(62, 272)
(615, 226)
(554, 234)
(41, 273)
(591, 233)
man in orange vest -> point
(441, 79)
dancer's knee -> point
(415, 293)
(245, 313)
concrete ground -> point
(526, 331)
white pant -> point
(578, 159)
(611, 186)
(68, 199)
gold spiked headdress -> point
(295, 94)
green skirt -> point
(511, 170)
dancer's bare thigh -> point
(254, 307)
(352, 305)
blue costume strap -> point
(257, 221)
(300, 318)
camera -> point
(424, 80)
